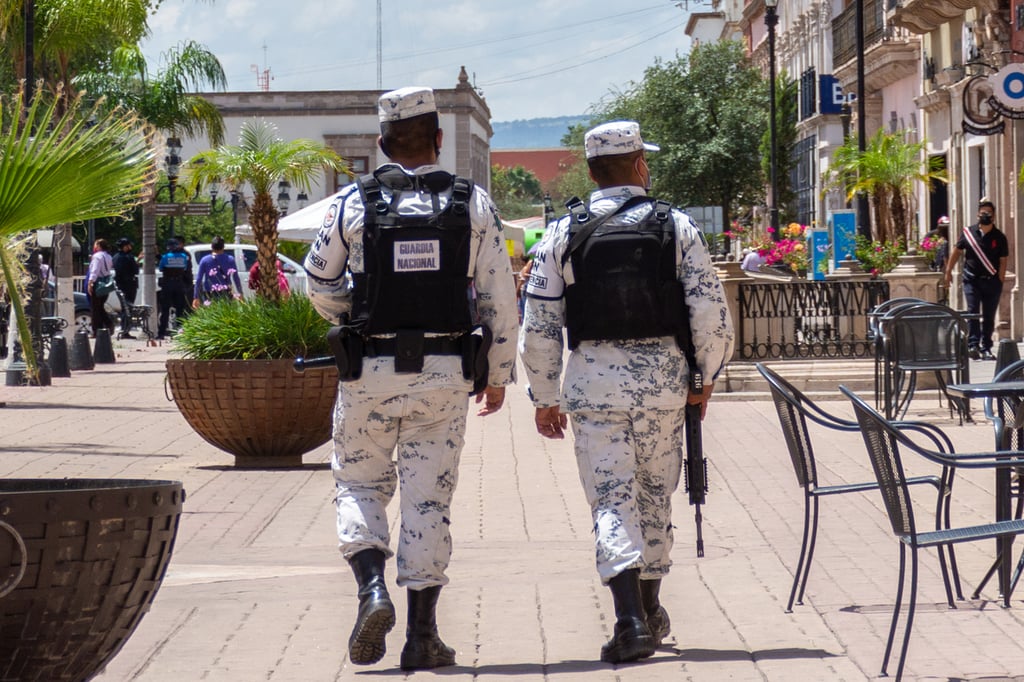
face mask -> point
(985, 220)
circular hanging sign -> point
(1008, 86)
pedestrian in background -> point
(126, 269)
(627, 277)
(217, 271)
(100, 266)
(984, 249)
(411, 260)
(175, 284)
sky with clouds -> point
(530, 59)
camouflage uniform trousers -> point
(629, 463)
(427, 428)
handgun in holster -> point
(346, 343)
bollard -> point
(1007, 355)
(103, 352)
(81, 353)
(59, 357)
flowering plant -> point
(790, 250)
(878, 257)
(929, 248)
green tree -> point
(886, 171)
(786, 105)
(71, 34)
(166, 99)
(57, 169)
(260, 160)
(515, 191)
(707, 112)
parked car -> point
(245, 258)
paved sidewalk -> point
(257, 591)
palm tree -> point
(164, 99)
(886, 171)
(261, 159)
(69, 33)
(57, 169)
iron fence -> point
(805, 320)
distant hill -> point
(533, 133)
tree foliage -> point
(707, 112)
(786, 113)
(516, 191)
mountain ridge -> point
(533, 133)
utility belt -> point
(409, 348)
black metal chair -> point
(875, 334)
(883, 441)
(923, 337)
(794, 409)
(1007, 417)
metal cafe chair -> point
(883, 441)
(1007, 417)
(794, 409)
(922, 337)
(874, 333)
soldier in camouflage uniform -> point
(410, 277)
(626, 377)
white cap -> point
(943, 220)
(404, 103)
(617, 137)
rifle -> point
(696, 471)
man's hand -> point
(495, 398)
(550, 422)
(701, 398)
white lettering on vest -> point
(417, 256)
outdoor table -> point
(997, 389)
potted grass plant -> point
(236, 386)
(235, 383)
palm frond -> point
(56, 169)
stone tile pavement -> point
(257, 591)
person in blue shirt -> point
(216, 272)
(175, 284)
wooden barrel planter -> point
(261, 411)
(80, 563)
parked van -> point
(245, 258)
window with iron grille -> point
(801, 179)
(808, 94)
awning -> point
(301, 226)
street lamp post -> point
(173, 165)
(845, 114)
(284, 197)
(863, 219)
(771, 18)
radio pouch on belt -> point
(408, 350)
(475, 346)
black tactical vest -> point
(415, 266)
(625, 277)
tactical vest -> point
(415, 266)
(625, 276)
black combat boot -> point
(376, 614)
(632, 639)
(657, 616)
(423, 647)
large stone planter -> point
(261, 411)
(80, 563)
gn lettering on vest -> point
(417, 256)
